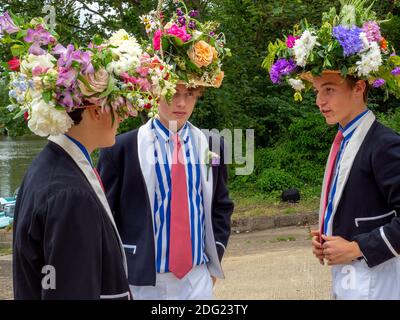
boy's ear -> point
(94, 113)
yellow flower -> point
(201, 54)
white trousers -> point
(357, 281)
(196, 285)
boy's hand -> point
(337, 250)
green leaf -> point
(19, 114)
(17, 50)
(110, 87)
(182, 75)
(177, 41)
(165, 43)
(46, 96)
(344, 71)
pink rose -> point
(157, 39)
(97, 81)
(179, 32)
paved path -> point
(258, 265)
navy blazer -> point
(369, 208)
(125, 185)
(60, 222)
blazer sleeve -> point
(222, 205)
(109, 175)
(72, 246)
(383, 243)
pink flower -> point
(290, 41)
(179, 32)
(372, 31)
(145, 85)
(143, 71)
(157, 40)
(38, 70)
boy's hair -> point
(76, 115)
(352, 83)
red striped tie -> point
(180, 254)
(331, 167)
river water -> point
(16, 154)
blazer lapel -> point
(347, 161)
(201, 144)
(147, 160)
(80, 160)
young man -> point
(359, 220)
(172, 212)
(66, 245)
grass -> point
(256, 205)
(5, 251)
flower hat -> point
(48, 80)
(349, 43)
(193, 49)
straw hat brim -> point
(310, 78)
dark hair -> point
(352, 83)
(76, 115)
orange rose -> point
(201, 54)
(218, 79)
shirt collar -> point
(82, 148)
(165, 134)
(348, 130)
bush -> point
(273, 179)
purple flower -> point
(193, 13)
(36, 50)
(281, 67)
(182, 21)
(378, 83)
(69, 99)
(7, 24)
(65, 59)
(192, 24)
(83, 57)
(66, 77)
(212, 33)
(179, 12)
(396, 71)
(349, 39)
(372, 31)
(40, 36)
(68, 55)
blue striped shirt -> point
(348, 132)
(162, 200)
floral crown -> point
(48, 80)
(349, 43)
(193, 49)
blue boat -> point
(7, 206)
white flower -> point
(297, 84)
(32, 61)
(364, 39)
(348, 15)
(303, 47)
(371, 60)
(46, 120)
(119, 37)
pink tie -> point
(331, 164)
(180, 246)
